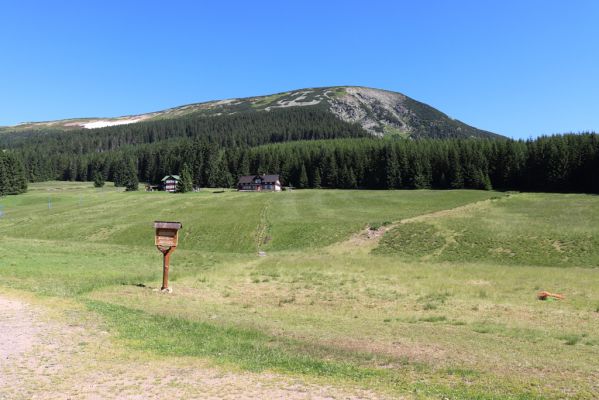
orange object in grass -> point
(543, 295)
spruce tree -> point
(219, 175)
(455, 176)
(98, 179)
(317, 180)
(330, 173)
(303, 178)
(186, 183)
(4, 185)
(131, 181)
(392, 178)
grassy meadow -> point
(439, 303)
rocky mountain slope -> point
(379, 112)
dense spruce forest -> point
(309, 147)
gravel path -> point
(18, 330)
(42, 358)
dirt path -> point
(368, 239)
(45, 358)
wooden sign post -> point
(167, 236)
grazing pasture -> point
(437, 300)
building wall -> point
(170, 185)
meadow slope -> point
(442, 305)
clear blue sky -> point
(520, 68)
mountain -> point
(312, 138)
(378, 112)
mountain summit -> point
(379, 112)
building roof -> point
(176, 177)
(270, 178)
(250, 178)
(246, 179)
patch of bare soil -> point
(41, 358)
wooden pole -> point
(165, 266)
(166, 258)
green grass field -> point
(442, 306)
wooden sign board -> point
(167, 233)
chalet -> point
(259, 183)
(169, 183)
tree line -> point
(561, 163)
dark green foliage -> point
(317, 180)
(303, 178)
(98, 179)
(537, 165)
(218, 173)
(130, 179)
(12, 175)
(186, 183)
(392, 169)
(244, 129)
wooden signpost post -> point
(167, 236)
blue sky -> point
(519, 68)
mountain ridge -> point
(379, 112)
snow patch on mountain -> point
(104, 123)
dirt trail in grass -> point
(45, 358)
(368, 239)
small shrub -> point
(98, 180)
(375, 226)
(481, 329)
(570, 340)
(436, 318)
(462, 372)
(287, 300)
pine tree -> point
(455, 177)
(186, 183)
(392, 178)
(4, 185)
(303, 178)
(119, 172)
(330, 173)
(317, 180)
(98, 179)
(13, 179)
(131, 181)
(219, 175)
(244, 164)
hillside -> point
(378, 112)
